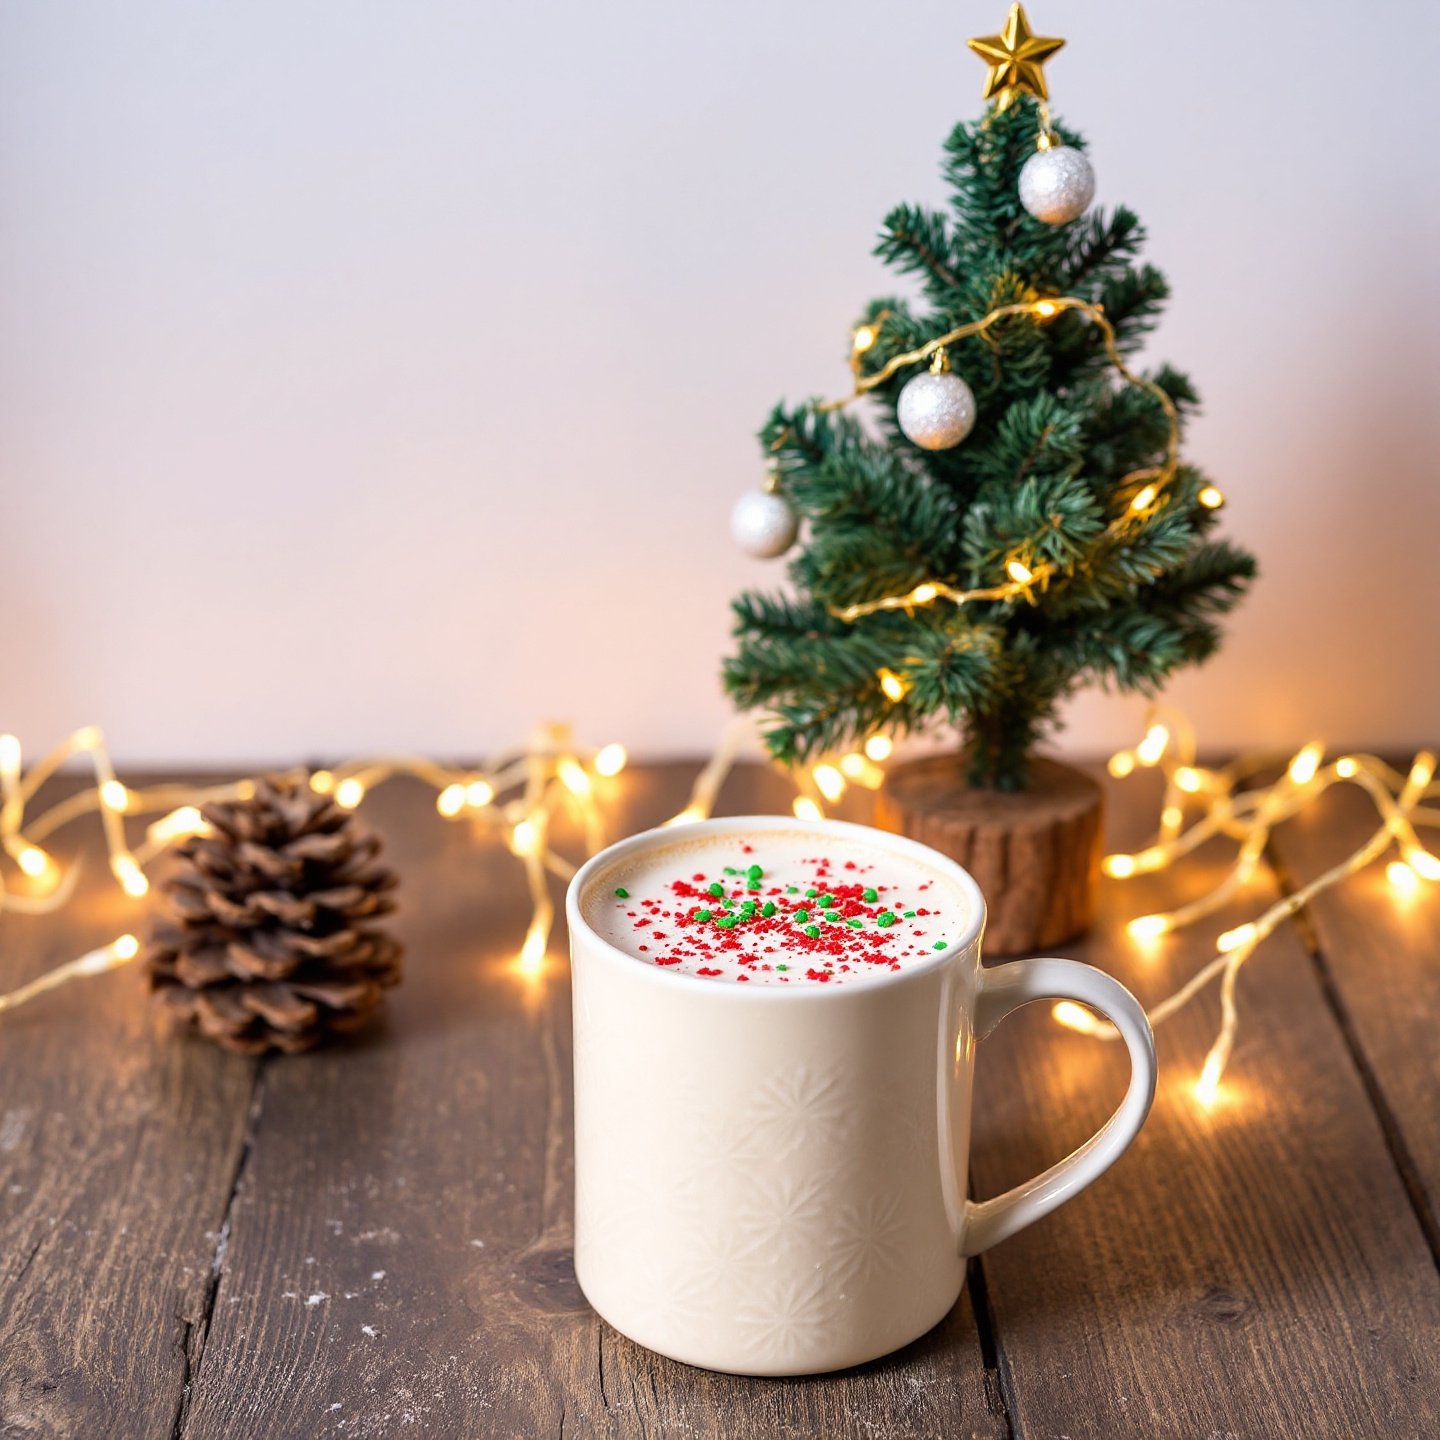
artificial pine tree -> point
(1058, 491)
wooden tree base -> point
(1035, 854)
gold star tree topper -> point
(1015, 57)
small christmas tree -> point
(1021, 526)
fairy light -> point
(1210, 498)
(1148, 927)
(478, 794)
(1403, 880)
(34, 861)
(879, 748)
(114, 796)
(891, 685)
(349, 793)
(180, 822)
(610, 759)
(1077, 1017)
(1153, 479)
(829, 781)
(1150, 750)
(130, 875)
(532, 953)
(804, 808)
(1247, 816)
(573, 777)
(525, 837)
(451, 800)
(1302, 769)
(322, 782)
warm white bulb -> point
(1019, 572)
(1118, 867)
(450, 801)
(1422, 862)
(33, 861)
(1145, 499)
(610, 759)
(1211, 498)
(1306, 763)
(1147, 927)
(1402, 878)
(532, 952)
(1152, 747)
(9, 753)
(1121, 764)
(125, 947)
(525, 837)
(892, 685)
(573, 777)
(114, 796)
(1046, 308)
(805, 808)
(129, 874)
(1188, 779)
(478, 794)
(1233, 939)
(1075, 1017)
(349, 793)
(1207, 1087)
(924, 594)
(879, 747)
(322, 782)
(1347, 767)
(829, 781)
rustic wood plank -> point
(118, 1151)
(1379, 955)
(1255, 1271)
(399, 1253)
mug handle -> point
(1005, 988)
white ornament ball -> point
(1057, 184)
(763, 524)
(936, 410)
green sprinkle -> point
(801, 915)
(782, 966)
(748, 908)
(622, 892)
(752, 885)
(811, 893)
(870, 896)
(769, 909)
(717, 890)
(813, 931)
(792, 889)
(754, 872)
(909, 914)
(731, 870)
(940, 944)
(832, 914)
(825, 900)
(726, 922)
(702, 916)
(885, 917)
(855, 923)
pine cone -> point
(264, 940)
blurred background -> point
(381, 376)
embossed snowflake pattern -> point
(785, 1313)
(797, 1105)
(868, 1239)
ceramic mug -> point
(772, 1181)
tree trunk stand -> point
(1035, 853)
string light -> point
(829, 781)
(1248, 816)
(1210, 498)
(451, 800)
(610, 759)
(114, 796)
(573, 777)
(892, 686)
(33, 861)
(1153, 479)
(805, 808)
(322, 782)
(879, 748)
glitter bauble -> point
(936, 410)
(763, 524)
(1057, 184)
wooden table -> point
(374, 1240)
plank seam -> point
(195, 1333)
(1391, 1130)
(999, 1397)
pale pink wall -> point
(382, 375)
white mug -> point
(772, 1180)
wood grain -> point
(117, 1155)
(1255, 1271)
(1035, 853)
(399, 1256)
(1379, 955)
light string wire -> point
(550, 772)
(1249, 816)
(1023, 572)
